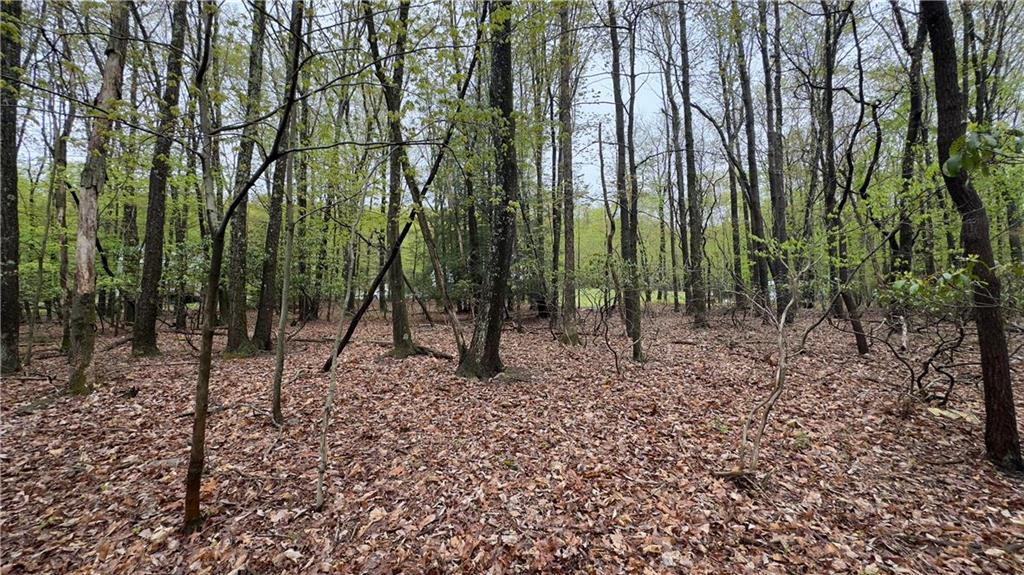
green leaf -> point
(953, 165)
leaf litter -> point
(564, 467)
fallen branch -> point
(118, 343)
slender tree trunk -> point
(697, 305)
(680, 182)
(218, 228)
(144, 329)
(739, 289)
(566, 56)
(776, 183)
(262, 337)
(238, 331)
(752, 191)
(60, 159)
(902, 245)
(83, 308)
(609, 238)
(282, 318)
(401, 334)
(1002, 442)
(180, 232)
(10, 47)
(627, 236)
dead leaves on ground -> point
(564, 467)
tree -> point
(482, 360)
(901, 245)
(217, 225)
(626, 194)
(238, 332)
(753, 194)
(262, 336)
(772, 67)
(1002, 442)
(401, 334)
(566, 89)
(144, 329)
(83, 307)
(696, 304)
(10, 49)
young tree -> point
(753, 193)
(772, 67)
(1002, 442)
(83, 306)
(10, 51)
(566, 89)
(144, 329)
(482, 360)
(626, 191)
(217, 225)
(901, 245)
(401, 333)
(696, 303)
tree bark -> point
(696, 305)
(144, 330)
(10, 47)
(627, 236)
(566, 57)
(776, 184)
(902, 244)
(218, 228)
(482, 360)
(238, 331)
(83, 308)
(752, 192)
(1002, 442)
(262, 337)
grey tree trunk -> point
(697, 303)
(776, 184)
(625, 190)
(566, 57)
(83, 308)
(753, 192)
(144, 330)
(238, 331)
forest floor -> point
(562, 466)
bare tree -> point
(83, 306)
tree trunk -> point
(282, 318)
(566, 61)
(218, 228)
(627, 236)
(776, 183)
(752, 191)
(10, 47)
(739, 288)
(902, 245)
(1002, 443)
(238, 331)
(482, 360)
(262, 337)
(144, 330)
(697, 304)
(83, 309)
(680, 182)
